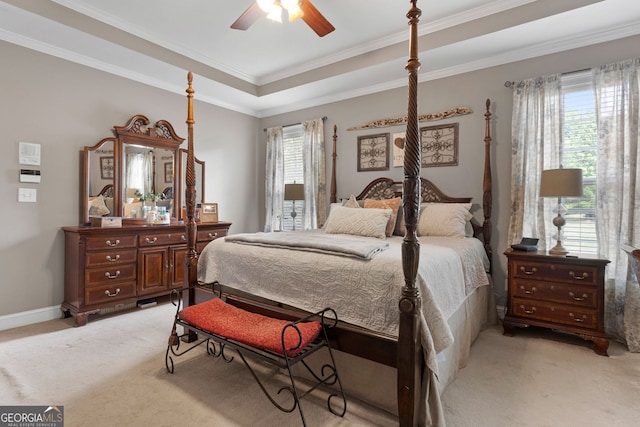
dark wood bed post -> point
(334, 197)
(191, 258)
(409, 346)
(486, 186)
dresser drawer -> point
(209, 235)
(110, 293)
(161, 239)
(116, 273)
(583, 296)
(111, 242)
(117, 257)
(555, 313)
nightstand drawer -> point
(583, 296)
(583, 275)
(556, 313)
(578, 274)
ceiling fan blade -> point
(248, 17)
(315, 20)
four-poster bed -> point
(404, 345)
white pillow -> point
(358, 222)
(444, 219)
(97, 207)
(352, 202)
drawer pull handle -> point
(533, 309)
(113, 259)
(213, 236)
(532, 271)
(109, 276)
(575, 298)
(183, 238)
(584, 275)
(578, 319)
(148, 240)
(110, 295)
(529, 292)
(109, 243)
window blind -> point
(579, 150)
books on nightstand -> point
(528, 244)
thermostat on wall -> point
(29, 175)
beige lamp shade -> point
(561, 183)
(294, 191)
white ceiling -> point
(274, 68)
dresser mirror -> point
(136, 170)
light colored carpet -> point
(112, 372)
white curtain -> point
(274, 182)
(313, 158)
(616, 88)
(139, 171)
(536, 145)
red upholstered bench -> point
(252, 329)
(280, 342)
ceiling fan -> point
(295, 9)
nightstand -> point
(557, 292)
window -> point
(579, 151)
(292, 140)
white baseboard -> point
(29, 317)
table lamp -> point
(560, 183)
(294, 192)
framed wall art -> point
(168, 172)
(373, 152)
(106, 167)
(209, 212)
(398, 149)
(439, 145)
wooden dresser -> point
(109, 269)
(561, 293)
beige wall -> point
(65, 106)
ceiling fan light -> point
(265, 5)
(275, 14)
(295, 13)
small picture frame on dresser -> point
(209, 212)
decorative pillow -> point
(358, 222)
(97, 207)
(393, 204)
(444, 219)
(351, 203)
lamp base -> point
(558, 249)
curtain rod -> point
(513, 84)
(324, 119)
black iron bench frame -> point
(326, 375)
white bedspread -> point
(363, 292)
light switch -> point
(27, 195)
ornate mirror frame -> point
(104, 165)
